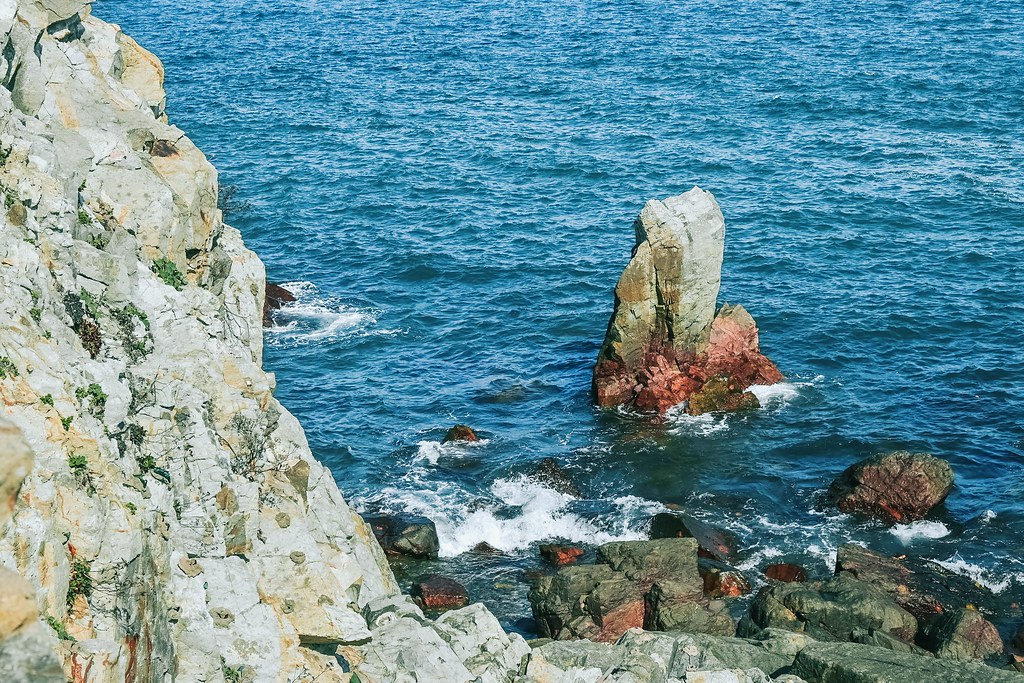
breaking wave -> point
(316, 317)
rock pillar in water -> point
(667, 342)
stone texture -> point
(962, 634)
(463, 433)
(665, 341)
(405, 535)
(893, 487)
(561, 555)
(715, 543)
(786, 573)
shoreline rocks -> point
(436, 592)
(666, 343)
(460, 433)
(407, 535)
(893, 487)
(275, 299)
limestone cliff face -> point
(172, 519)
(667, 342)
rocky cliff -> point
(667, 340)
(172, 523)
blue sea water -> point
(450, 186)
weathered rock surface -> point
(560, 555)
(715, 543)
(962, 634)
(893, 487)
(636, 584)
(786, 573)
(666, 343)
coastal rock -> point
(724, 582)
(560, 555)
(436, 592)
(712, 542)
(893, 487)
(665, 340)
(963, 635)
(831, 610)
(636, 584)
(458, 433)
(276, 297)
(554, 476)
(406, 535)
(786, 573)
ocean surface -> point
(450, 189)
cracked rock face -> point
(893, 487)
(667, 342)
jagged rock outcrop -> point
(667, 342)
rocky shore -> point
(162, 517)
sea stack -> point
(667, 341)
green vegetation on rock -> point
(167, 271)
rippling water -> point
(451, 187)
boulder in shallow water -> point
(962, 634)
(554, 476)
(437, 592)
(893, 487)
(462, 433)
(561, 555)
(405, 535)
(665, 339)
(276, 297)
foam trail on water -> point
(981, 575)
(908, 533)
(314, 317)
(520, 513)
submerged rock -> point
(437, 592)
(405, 535)
(893, 487)
(665, 340)
(276, 297)
(460, 433)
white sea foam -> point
(520, 512)
(988, 516)
(314, 317)
(997, 583)
(700, 425)
(433, 451)
(908, 533)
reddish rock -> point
(560, 555)
(276, 297)
(893, 487)
(619, 620)
(786, 573)
(725, 584)
(436, 592)
(460, 433)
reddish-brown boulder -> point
(436, 592)
(560, 555)
(786, 573)
(729, 583)
(460, 433)
(276, 297)
(893, 487)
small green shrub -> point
(81, 581)
(36, 313)
(7, 368)
(78, 464)
(92, 340)
(147, 463)
(47, 400)
(132, 508)
(94, 395)
(65, 422)
(62, 631)
(136, 434)
(83, 217)
(9, 200)
(167, 271)
(92, 305)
